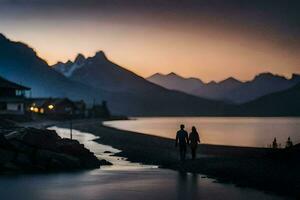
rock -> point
(6, 123)
(30, 149)
(74, 148)
(6, 126)
(107, 152)
(6, 156)
(105, 162)
(39, 138)
(56, 165)
(47, 159)
(24, 161)
(22, 147)
(4, 144)
(10, 167)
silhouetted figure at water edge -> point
(194, 140)
(289, 143)
(183, 140)
(274, 144)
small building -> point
(81, 109)
(12, 98)
(57, 108)
(100, 111)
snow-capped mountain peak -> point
(69, 67)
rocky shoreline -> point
(32, 150)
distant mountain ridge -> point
(69, 67)
(19, 63)
(283, 103)
(135, 92)
(98, 79)
(230, 89)
(262, 84)
(99, 72)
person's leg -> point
(181, 152)
(192, 151)
(184, 152)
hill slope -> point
(132, 93)
(230, 89)
(99, 79)
(283, 103)
(19, 63)
(262, 84)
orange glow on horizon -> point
(207, 52)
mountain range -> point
(20, 63)
(283, 103)
(97, 78)
(230, 89)
(130, 91)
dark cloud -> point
(284, 12)
(280, 18)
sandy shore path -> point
(124, 180)
(243, 166)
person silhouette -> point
(183, 141)
(194, 140)
(275, 145)
(289, 143)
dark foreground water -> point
(237, 131)
(122, 181)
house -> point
(58, 108)
(12, 98)
(81, 109)
(99, 111)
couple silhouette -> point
(183, 140)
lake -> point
(124, 180)
(236, 131)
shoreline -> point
(258, 168)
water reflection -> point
(145, 184)
(188, 185)
(256, 132)
(101, 151)
(126, 181)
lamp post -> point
(71, 125)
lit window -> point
(50, 106)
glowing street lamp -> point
(51, 107)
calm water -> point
(255, 132)
(122, 181)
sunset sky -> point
(210, 40)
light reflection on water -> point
(123, 181)
(236, 131)
(145, 184)
(101, 151)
